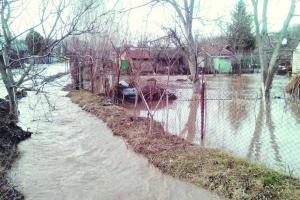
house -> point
(215, 58)
(137, 59)
(16, 53)
(175, 58)
(289, 48)
(296, 61)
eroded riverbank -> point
(10, 136)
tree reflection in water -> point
(190, 126)
(237, 111)
(264, 120)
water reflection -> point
(254, 147)
(190, 126)
(238, 122)
(237, 111)
(264, 118)
(271, 128)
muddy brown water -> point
(236, 121)
(74, 155)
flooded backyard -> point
(236, 121)
(74, 155)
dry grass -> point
(223, 174)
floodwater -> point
(74, 155)
(235, 120)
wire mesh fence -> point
(230, 115)
(239, 122)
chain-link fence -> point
(231, 115)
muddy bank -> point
(10, 136)
(79, 158)
(212, 169)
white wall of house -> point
(296, 61)
(201, 61)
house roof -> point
(138, 53)
(214, 46)
(168, 53)
(214, 50)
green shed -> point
(222, 64)
(124, 65)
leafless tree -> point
(267, 60)
(55, 24)
(185, 11)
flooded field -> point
(74, 155)
(236, 121)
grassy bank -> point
(221, 173)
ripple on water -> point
(79, 158)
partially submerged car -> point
(283, 70)
(126, 92)
(150, 92)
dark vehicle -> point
(126, 92)
(283, 70)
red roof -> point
(214, 50)
(138, 53)
(225, 52)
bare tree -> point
(268, 61)
(61, 25)
(185, 11)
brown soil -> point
(223, 174)
(10, 136)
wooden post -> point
(92, 75)
(202, 108)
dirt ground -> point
(10, 136)
(223, 174)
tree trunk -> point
(186, 14)
(239, 64)
(268, 68)
(193, 69)
(192, 58)
(81, 66)
(13, 104)
(10, 86)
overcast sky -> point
(151, 20)
(146, 20)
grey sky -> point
(146, 20)
(151, 20)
